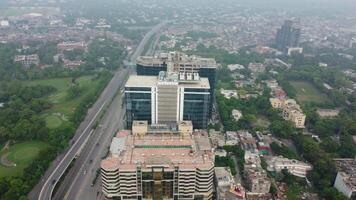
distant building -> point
(328, 112)
(234, 67)
(287, 36)
(294, 50)
(27, 60)
(345, 181)
(295, 167)
(257, 67)
(170, 97)
(291, 111)
(71, 45)
(159, 162)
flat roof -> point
(169, 150)
(152, 81)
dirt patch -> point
(5, 162)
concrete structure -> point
(159, 162)
(295, 167)
(345, 181)
(231, 138)
(291, 111)
(28, 60)
(236, 114)
(170, 97)
(226, 188)
(223, 176)
(229, 93)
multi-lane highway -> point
(92, 145)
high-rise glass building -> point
(178, 62)
(287, 36)
(167, 98)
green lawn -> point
(53, 121)
(307, 92)
(21, 154)
(63, 107)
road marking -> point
(67, 154)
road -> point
(91, 144)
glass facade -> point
(150, 71)
(138, 105)
(197, 107)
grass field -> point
(20, 154)
(307, 92)
(63, 107)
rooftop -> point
(152, 81)
(177, 58)
(165, 149)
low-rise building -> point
(328, 113)
(295, 167)
(345, 181)
(28, 60)
(226, 188)
(236, 114)
(231, 138)
(229, 93)
(291, 111)
(247, 141)
(71, 45)
(233, 67)
(257, 67)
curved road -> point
(45, 187)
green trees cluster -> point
(111, 52)
(226, 162)
(20, 120)
(324, 172)
(284, 151)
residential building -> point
(236, 114)
(287, 36)
(234, 67)
(170, 97)
(71, 45)
(226, 187)
(257, 67)
(159, 162)
(295, 167)
(231, 138)
(229, 93)
(291, 111)
(247, 141)
(345, 181)
(27, 60)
